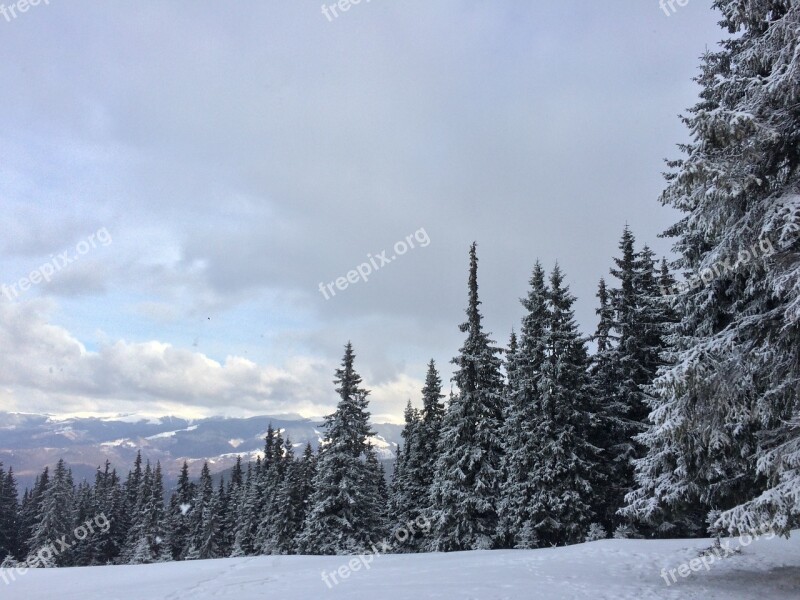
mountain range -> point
(29, 442)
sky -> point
(182, 185)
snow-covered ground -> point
(618, 569)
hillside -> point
(613, 569)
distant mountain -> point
(29, 442)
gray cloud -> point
(242, 154)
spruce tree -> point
(467, 482)
(564, 462)
(179, 519)
(342, 512)
(56, 515)
(203, 522)
(524, 367)
(110, 501)
(610, 430)
(10, 523)
(430, 426)
(726, 412)
(32, 508)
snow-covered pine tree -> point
(524, 369)
(726, 433)
(246, 510)
(179, 515)
(341, 513)
(306, 474)
(610, 424)
(202, 519)
(146, 541)
(56, 515)
(467, 482)
(433, 411)
(273, 472)
(631, 341)
(233, 498)
(288, 505)
(110, 501)
(397, 493)
(31, 509)
(408, 494)
(131, 489)
(432, 414)
(376, 491)
(208, 538)
(86, 507)
(564, 462)
(10, 543)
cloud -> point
(246, 153)
(48, 367)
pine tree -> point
(110, 501)
(207, 541)
(289, 505)
(246, 507)
(233, 502)
(146, 541)
(726, 413)
(273, 474)
(10, 523)
(610, 430)
(179, 515)
(85, 550)
(524, 367)
(342, 513)
(466, 487)
(56, 516)
(564, 462)
(408, 492)
(203, 520)
(32, 509)
(430, 427)
(631, 337)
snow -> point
(168, 434)
(618, 569)
(120, 442)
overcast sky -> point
(208, 164)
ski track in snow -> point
(609, 569)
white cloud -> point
(47, 369)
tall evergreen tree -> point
(342, 513)
(467, 482)
(610, 429)
(562, 471)
(204, 523)
(430, 426)
(179, 515)
(726, 412)
(32, 508)
(525, 364)
(110, 501)
(56, 515)
(10, 522)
